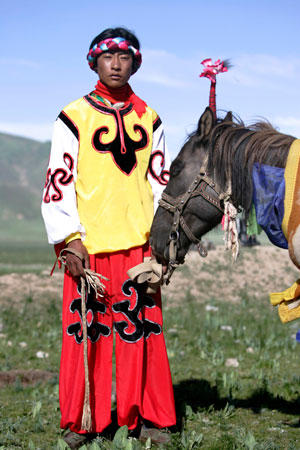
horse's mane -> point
(233, 150)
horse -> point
(214, 165)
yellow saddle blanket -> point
(288, 301)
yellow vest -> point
(114, 196)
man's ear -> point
(206, 123)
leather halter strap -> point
(171, 204)
(176, 205)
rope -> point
(92, 281)
(86, 421)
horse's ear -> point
(206, 123)
(228, 117)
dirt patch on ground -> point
(259, 270)
(16, 287)
(25, 377)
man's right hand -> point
(73, 263)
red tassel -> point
(210, 71)
(212, 99)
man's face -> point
(114, 68)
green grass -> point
(25, 249)
(254, 406)
(20, 232)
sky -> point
(43, 67)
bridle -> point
(176, 206)
(219, 199)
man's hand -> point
(74, 264)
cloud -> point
(38, 131)
(260, 70)
(167, 69)
(249, 70)
(288, 125)
(19, 61)
(288, 121)
(256, 84)
(162, 79)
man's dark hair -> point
(118, 32)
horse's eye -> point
(174, 172)
(175, 169)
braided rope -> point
(91, 281)
(86, 420)
(113, 44)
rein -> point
(176, 206)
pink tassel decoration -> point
(210, 71)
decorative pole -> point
(210, 71)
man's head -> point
(114, 54)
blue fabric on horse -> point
(268, 199)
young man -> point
(108, 166)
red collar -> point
(123, 94)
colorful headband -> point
(112, 44)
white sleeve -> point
(159, 164)
(59, 206)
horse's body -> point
(223, 153)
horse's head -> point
(215, 163)
(199, 206)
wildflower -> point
(9, 344)
(172, 330)
(226, 327)
(170, 353)
(231, 362)
(211, 308)
(250, 350)
(41, 354)
(23, 344)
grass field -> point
(235, 367)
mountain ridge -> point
(23, 165)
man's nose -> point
(116, 62)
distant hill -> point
(23, 164)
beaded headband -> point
(112, 44)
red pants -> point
(143, 380)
